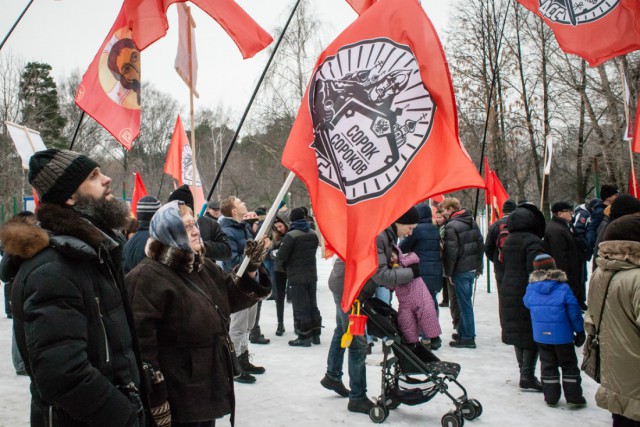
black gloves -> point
(416, 270)
(580, 339)
(256, 252)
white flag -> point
(549, 152)
(187, 45)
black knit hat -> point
(57, 174)
(410, 217)
(624, 228)
(147, 206)
(561, 206)
(183, 194)
(607, 191)
(509, 206)
(623, 205)
(297, 214)
(544, 262)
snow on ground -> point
(289, 393)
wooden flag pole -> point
(246, 111)
(193, 126)
(633, 172)
(266, 224)
(544, 175)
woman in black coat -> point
(181, 306)
(526, 227)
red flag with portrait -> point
(110, 89)
(139, 191)
(596, 30)
(148, 21)
(377, 132)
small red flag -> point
(360, 5)
(179, 163)
(633, 189)
(496, 195)
(139, 191)
(596, 30)
(148, 22)
(36, 200)
(488, 182)
(635, 144)
(377, 132)
(110, 89)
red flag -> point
(186, 63)
(488, 183)
(360, 5)
(635, 145)
(496, 195)
(36, 200)
(179, 163)
(148, 21)
(633, 189)
(596, 30)
(139, 191)
(377, 132)
(110, 89)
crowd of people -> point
(108, 310)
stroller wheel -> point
(451, 419)
(378, 414)
(469, 410)
(478, 406)
(391, 403)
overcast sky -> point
(67, 34)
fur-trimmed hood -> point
(22, 239)
(543, 275)
(174, 258)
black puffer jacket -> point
(297, 254)
(463, 245)
(72, 321)
(134, 248)
(526, 229)
(561, 244)
(215, 241)
(183, 335)
(491, 248)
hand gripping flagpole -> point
(246, 111)
(266, 224)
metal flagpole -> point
(544, 172)
(246, 111)
(75, 134)
(13, 27)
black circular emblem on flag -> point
(371, 114)
(576, 12)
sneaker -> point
(362, 406)
(300, 342)
(576, 402)
(280, 330)
(468, 343)
(315, 339)
(245, 378)
(334, 385)
(260, 340)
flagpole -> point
(486, 122)
(75, 134)
(246, 111)
(544, 172)
(633, 171)
(15, 24)
(193, 126)
(266, 224)
(627, 113)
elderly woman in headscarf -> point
(181, 304)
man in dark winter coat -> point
(425, 242)
(215, 241)
(562, 244)
(134, 248)
(493, 241)
(526, 227)
(297, 254)
(608, 193)
(72, 318)
(462, 263)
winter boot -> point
(551, 390)
(256, 336)
(300, 342)
(245, 378)
(334, 385)
(315, 339)
(573, 390)
(528, 380)
(362, 406)
(436, 343)
(247, 366)
(280, 329)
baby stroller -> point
(412, 375)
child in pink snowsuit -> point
(416, 309)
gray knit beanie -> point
(57, 174)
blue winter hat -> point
(166, 227)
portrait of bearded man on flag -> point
(120, 70)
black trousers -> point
(620, 421)
(281, 293)
(553, 358)
(306, 315)
(7, 299)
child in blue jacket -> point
(557, 326)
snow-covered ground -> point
(289, 393)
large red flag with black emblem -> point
(596, 30)
(377, 132)
(110, 89)
(148, 22)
